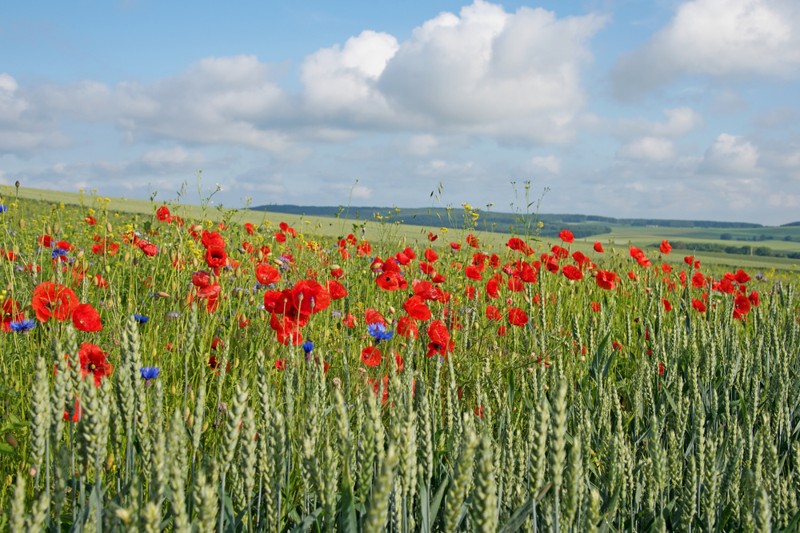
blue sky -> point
(663, 109)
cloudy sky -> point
(664, 108)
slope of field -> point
(405, 226)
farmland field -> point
(189, 367)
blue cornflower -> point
(308, 346)
(141, 319)
(22, 325)
(3, 208)
(59, 252)
(149, 372)
(378, 331)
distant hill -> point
(582, 226)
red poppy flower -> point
(402, 258)
(163, 214)
(473, 272)
(430, 256)
(349, 321)
(493, 288)
(46, 241)
(86, 318)
(472, 240)
(249, 228)
(267, 274)
(439, 338)
(90, 220)
(53, 300)
(559, 251)
(216, 257)
(665, 247)
(741, 306)
(212, 238)
(106, 247)
(517, 317)
(741, 276)
(598, 247)
(754, 299)
(309, 297)
(10, 312)
(667, 305)
(416, 308)
(426, 290)
(391, 281)
(149, 249)
(432, 237)
(279, 302)
(209, 291)
(698, 305)
(371, 316)
(493, 313)
(572, 272)
(638, 254)
(371, 356)
(213, 364)
(93, 361)
(515, 284)
(336, 289)
(201, 279)
(280, 237)
(698, 280)
(455, 246)
(606, 279)
(595, 307)
(407, 327)
(566, 236)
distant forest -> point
(582, 226)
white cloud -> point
(483, 71)
(680, 121)
(549, 163)
(22, 127)
(166, 156)
(716, 38)
(785, 201)
(340, 81)
(486, 71)
(420, 145)
(648, 148)
(225, 100)
(731, 155)
(361, 193)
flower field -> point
(165, 373)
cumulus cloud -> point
(648, 148)
(23, 127)
(218, 100)
(731, 155)
(548, 163)
(340, 81)
(420, 145)
(486, 71)
(680, 121)
(715, 38)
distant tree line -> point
(762, 251)
(757, 238)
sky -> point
(623, 108)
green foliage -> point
(617, 416)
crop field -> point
(193, 368)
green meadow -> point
(169, 367)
